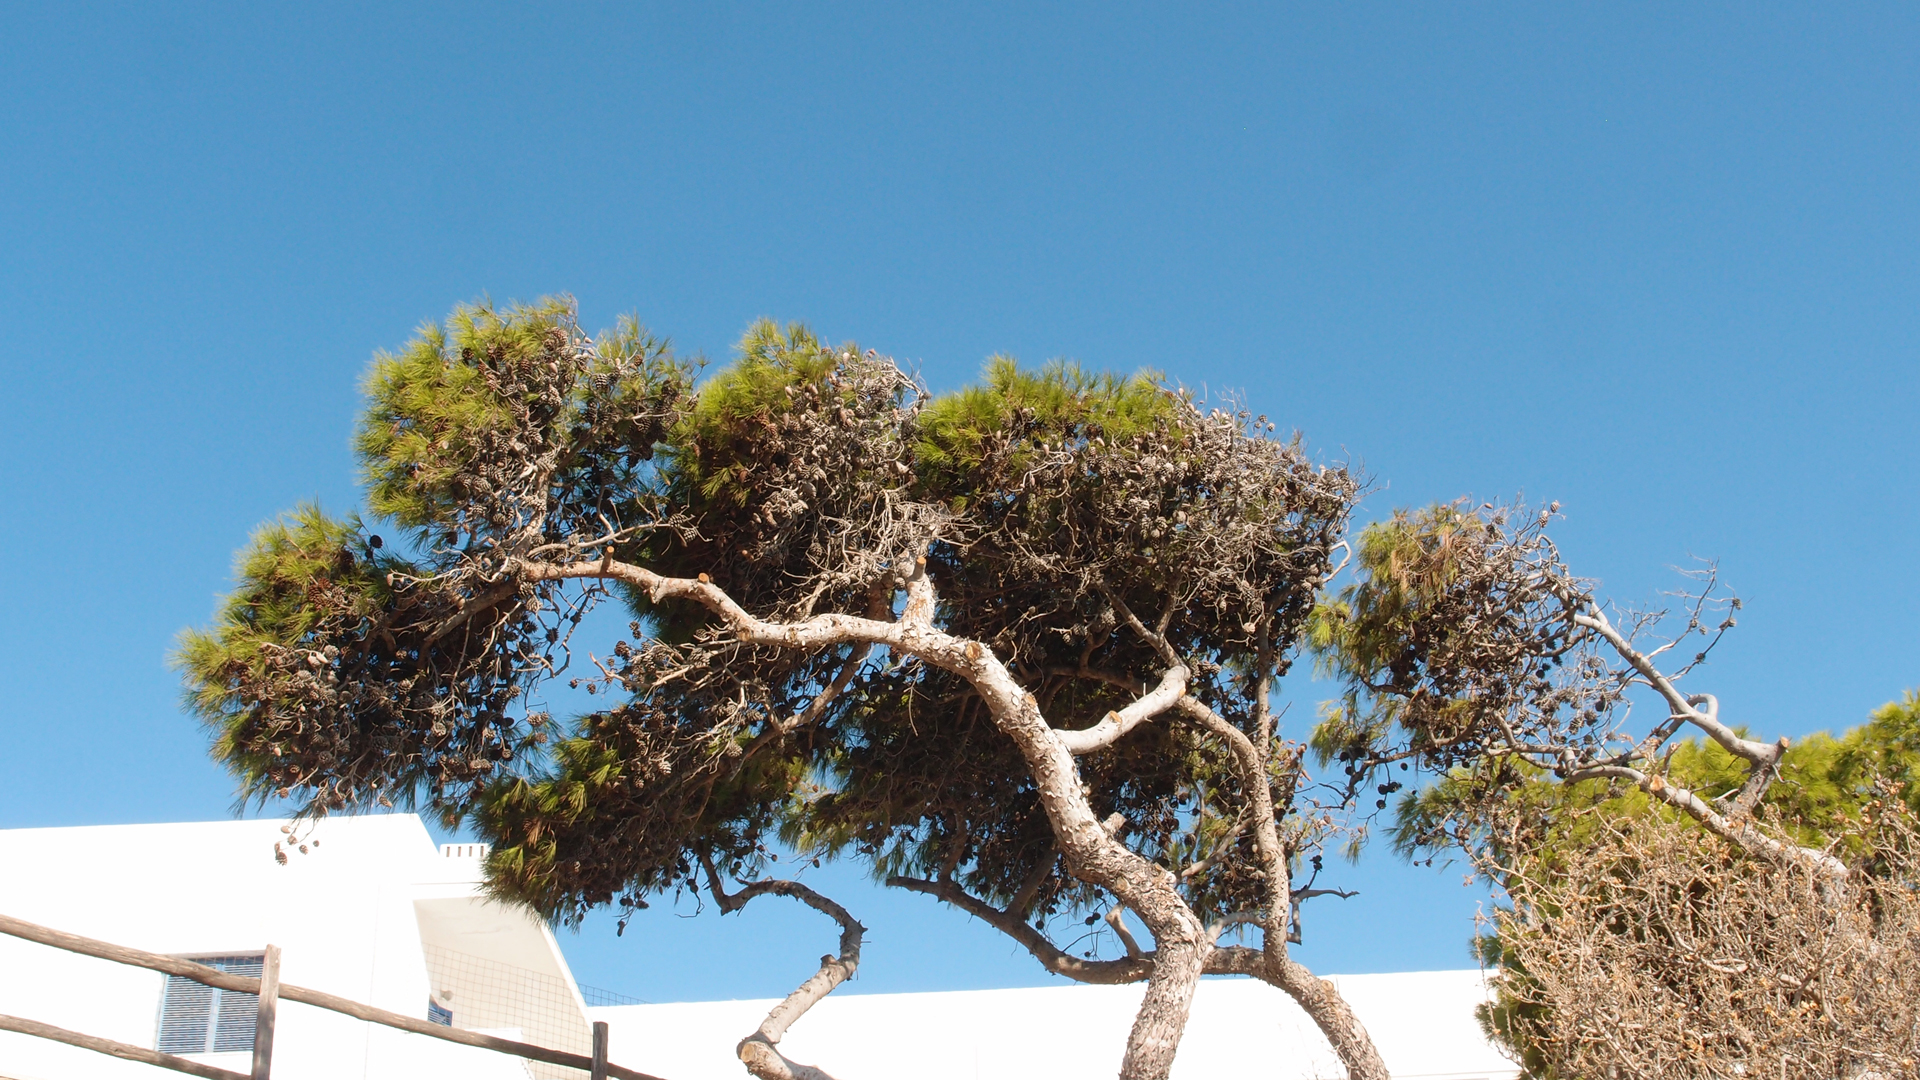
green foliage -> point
(1018, 412)
(1077, 498)
(1887, 746)
(768, 471)
(294, 573)
(501, 419)
(285, 560)
(1407, 567)
(625, 784)
(1050, 506)
(341, 674)
(431, 407)
(307, 585)
(1507, 1018)
(1447, 639)
(1824, 782)
(718, 440)
(1465, 646)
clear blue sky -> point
(1659, 263)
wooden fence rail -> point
(117, 1049)
(597, 1066)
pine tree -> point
(1014, 647)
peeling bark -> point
(1162, 1018)
(1090, 852)
(1317, 997)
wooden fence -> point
(271, 992)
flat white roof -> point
(1422, 1022)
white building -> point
(375, 912)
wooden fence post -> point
(599, 1050)
(263, 1023)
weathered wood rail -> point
(271, 991)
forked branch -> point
(1104, 972)
(1759, 754)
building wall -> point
(1422, 1022)
(345, 916)
(378, 914)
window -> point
(198, 1019)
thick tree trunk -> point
(1315, 996)
(1095, 856)
(1162, 1018)
(1334, 1017)
(1091, 853)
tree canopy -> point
(1683, 890)
(1631, 857)
(1016, 647)
(943, 636)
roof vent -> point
(465, 851)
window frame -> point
(228, 1019)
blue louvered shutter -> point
(185, 1015)
(238, 1014)
(198, 1019)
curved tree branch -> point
(760, 1051)
(1117, 918)
(1759, 754)
(1173, 684)
(1738, 829)
(1052, 957)
(1092, 854)
(1316, 997)
(1137, 966)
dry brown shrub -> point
(1661, 950)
